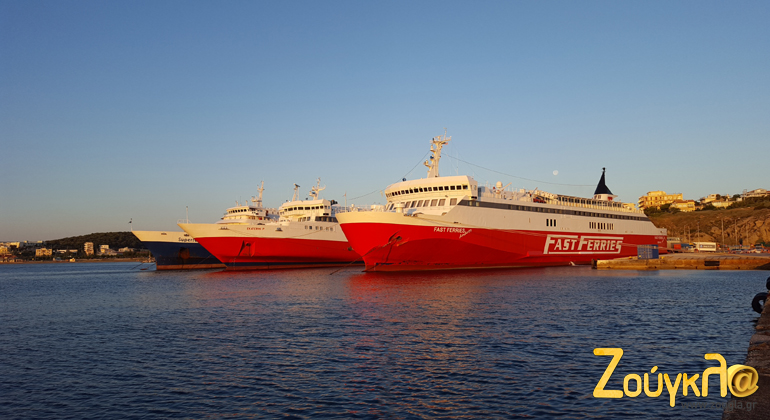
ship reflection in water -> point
(89, 341)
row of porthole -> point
(326, 228)
(601, 226)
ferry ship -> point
(176, 250)
(451, 222)
(180, 251)
(306, 234)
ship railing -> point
(354, 209)
(183, 221)
(589, 204)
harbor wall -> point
(758, 357)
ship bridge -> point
(437, 192)
(306, 211)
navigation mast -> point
(436, 144)
(258, 200)
(315, 190)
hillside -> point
(115, 240)
(746, 226)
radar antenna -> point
(294, 197)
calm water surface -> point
(107, 341)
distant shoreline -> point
(137, 260)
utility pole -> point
(723, 234)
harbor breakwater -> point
(758, 357)
(690, 261)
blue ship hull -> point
(181, 256)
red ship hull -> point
(254, 253)
(399, 247)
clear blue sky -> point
(111, 111)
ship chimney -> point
(602, 192)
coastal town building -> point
(105, 250)
(88, 247)
(684, 205)
(4, 249)
(43, 252)
(8, 258)
(722, 204)
(759, 192)
(657, 199)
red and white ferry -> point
(449, 222)
(306, 234)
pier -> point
(758, 357)
(689, 261)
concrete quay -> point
(757, 405)
(689, 261)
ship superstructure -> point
(453, 222)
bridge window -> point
(452, 201)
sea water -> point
(110, 340)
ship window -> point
(433, 202)
(419, 203)
(452, 201)
(465, 187)
(441, 202)
(452, 187)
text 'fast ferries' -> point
(579, 244)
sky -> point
(146, 111)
